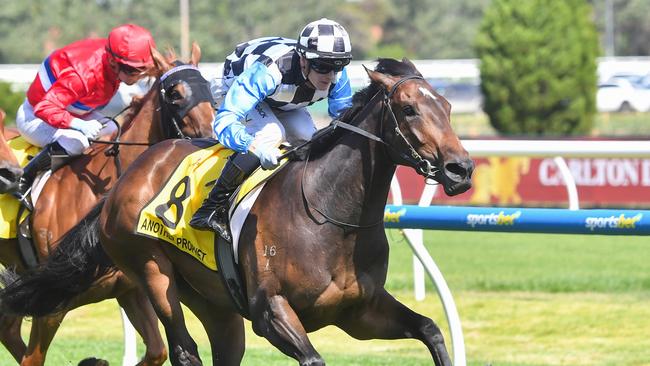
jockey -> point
(266, 85)
(59, 111)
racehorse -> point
(178, 105)
(312, 251)
(10, 171)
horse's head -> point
(186, 101)
(417, 126)
(10, 171)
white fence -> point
(484, 148)
(22, 74)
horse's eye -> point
(175, 95)
(408, 110)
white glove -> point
(89, 128)
(268, 155)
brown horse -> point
(312, 251)
(10, 171)
(178, 105)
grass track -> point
(524, 299)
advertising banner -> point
(537, 182)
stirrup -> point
(22, 194)
(221, 229)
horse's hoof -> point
(313, 362)
(92, 361)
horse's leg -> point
(137, 307)
(10, 325)
(40, 338)
(225, 328)
(10, 336)
(147, 263)
(383, 317)
(274, 319)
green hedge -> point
(538, 66)
(10, 101)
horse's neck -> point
(352, 180)
(144, 127)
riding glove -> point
(268, 155)
(89, 128)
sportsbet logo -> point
(612, 222)
(493, 219)
(393, 216)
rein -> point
(412, 157)
(181, 73)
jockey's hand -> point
(89, 128)
(268, 155)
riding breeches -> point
(40, 133)
(271, 126)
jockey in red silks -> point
(72, 82)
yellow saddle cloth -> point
(9, 205)
(168, 214)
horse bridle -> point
(198, 91)
(411, 156)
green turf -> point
(531, 262)
(524, 299)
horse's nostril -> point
(456, 169)
(461, 169)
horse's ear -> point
(411, 64)
(382, 79)
(408, 62)
(171, 55)
(196, 54)
(160, 64)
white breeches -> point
(40, 133)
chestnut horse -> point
(178, 105)
(312, 251)
(10, 171)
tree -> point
(433, 29)
(538, 66)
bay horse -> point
(179, 105)
(312, 252)
(10, 170)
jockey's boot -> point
(39, 163)
(213, 213)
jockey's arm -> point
(340, 96)
(65, 91)
(249, 88)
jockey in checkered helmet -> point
(267, 84)
(326, 46)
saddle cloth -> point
(168, 214)
(9, 205)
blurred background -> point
(512, 69)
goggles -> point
(325, 67)
(130, 70)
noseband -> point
(408, 155)
(197, 88)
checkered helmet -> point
(324, 39)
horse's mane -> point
(324, 139)
(138, 102)
(387, 66)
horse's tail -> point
(71, 268)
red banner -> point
(521, 181)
